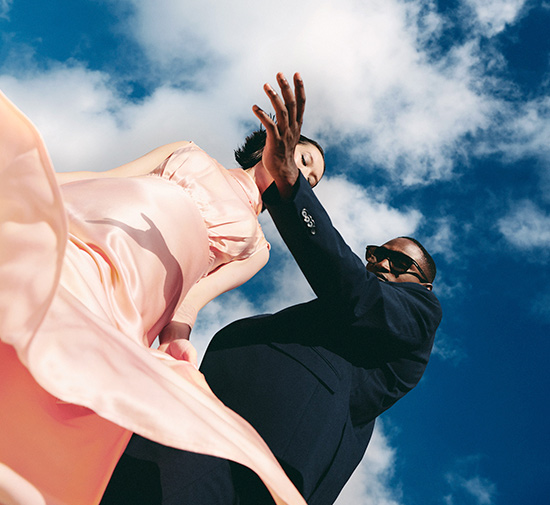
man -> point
(312, 378)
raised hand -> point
(284, 134)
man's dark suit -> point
(312, 378)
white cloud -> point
(541, 306)
(522, 133)
(217, 314)
(74, 109)
(525, 130)
(526, 226)
(373, 482)
(474, 489)
(445, 288)
(361, 215)
(5, 6)
(367, 72)
(494, 15)
(88, 126)
(468, 485)
(447, 348)
(372, 83)
(443, 239)
(289, 287)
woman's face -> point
(310, 162)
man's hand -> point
(283, 135)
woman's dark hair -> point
(251, 151)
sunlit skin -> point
(382, 268)
(308, 159)
(310, 162)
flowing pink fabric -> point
(89, 273)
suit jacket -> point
(312, 378)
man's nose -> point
(384, 265)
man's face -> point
(383, 270)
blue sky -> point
(435, 116)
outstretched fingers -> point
(300, 93)
(289, 110)
(283, 133)
(267, 122)
(289, 99)
(280, 108)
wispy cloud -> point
(373, 81)
(524, 128)
(371, 77)
(87, 125)
(467, 485)
(362, 215)
(526, 226)
(373, 480)
(443, 240)
(541, 306)
(475, 490)
(492, 16)
(5, 6)
(217, 314)
(447, 348)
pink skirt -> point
(73, 387)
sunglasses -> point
(399, 262)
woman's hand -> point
(174, 340)
(283, 135)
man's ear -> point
(428, 285)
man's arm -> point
(338, 276)
(334, 272)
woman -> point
(117, 264)
(240, 257)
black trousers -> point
(151, 474)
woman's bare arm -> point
(225, 278)
(141, 166)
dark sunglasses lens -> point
(400, 262)
(370, 254)
(375, 254)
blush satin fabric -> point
(89, 274)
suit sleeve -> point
(405, 312)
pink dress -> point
(90, 272)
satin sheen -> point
(90, 272)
